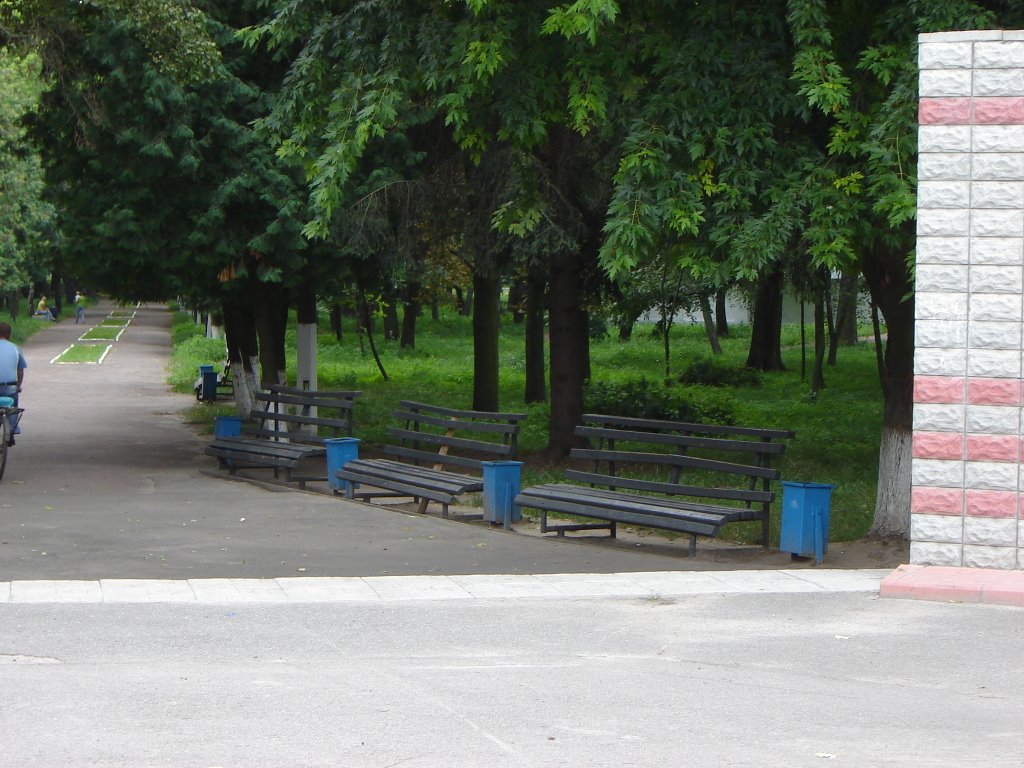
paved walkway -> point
(107, 482)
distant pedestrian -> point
(43, 309)
(79, 307)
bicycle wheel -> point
(5, 437)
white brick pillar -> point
(966, 503)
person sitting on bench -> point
(43, 310)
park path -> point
(107, 481)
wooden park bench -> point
(437, 454)
(288, 425)
(633, 474)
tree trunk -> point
(765, 332)
(391, 325)
(336, 321)
(566, 359)
(410, 309)
(467, 303)
(486, 295)
(517, 300)
(833, 336)
(536, 385)
(243, 349)
(271, 321)
(721, 321)
(846, 309)
(709, 325)
(818, 372)
(889, 283)
(368, 326)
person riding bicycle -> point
(12, 367)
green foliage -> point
(189, 354)
(717, 373)
(645, 399)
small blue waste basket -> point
(339, 451)
(502, 480)
(208, 378)
(805, 519)
(227, 426)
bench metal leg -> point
(693, 545)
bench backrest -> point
(441, 437)
(684, 428)
(679, 464)
(302, 416)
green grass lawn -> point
(83, 353)
(102, 333)
(119, 322)
(837, 433)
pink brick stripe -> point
(938, 389)
(1008, 110)
(993, 391)
(940, 445)
(966, 585)
(936, 501)
(1002, 504)
(988, 448)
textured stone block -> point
(940, 418)
(944, 138)
(995, 307)
(994, 392)
(1002, 504)
(942, 277)
(944, 194)
(1003, 558)
(998, 110)
(943, 250)
(997, 251)
(942, 362)
(1005, 448)
(938, 389)
(937, 501)
(938, 445)
(940, 333)
(945, 55)
(937, 166)
(987, 55)
(987, 82)
(937, 528)
(990, 532)
(994, 335)
(945, 111)
(996, 223)
(934, 305)
(971, 35)
(936, 83)
(945, 223)
(990, 476)
(992, 420)
(937, 474)
(935, 553)
(993, 363)
(997, 138)
(996, 166)
(992, 194)
(985, 279)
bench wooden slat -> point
(682, 441)
(462, 425)
(675, 460)
(466, 444)
(687, 428)
(298, 418)
(671, 489)
(439, 479)
(414, 405)
(307, 402)
(451, 459)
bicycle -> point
(9, 418)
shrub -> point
(646, 400)
(714, 373)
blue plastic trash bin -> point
(502, 480)
(805, 519)
(339, 451)
(208, 377)
(227, 426)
